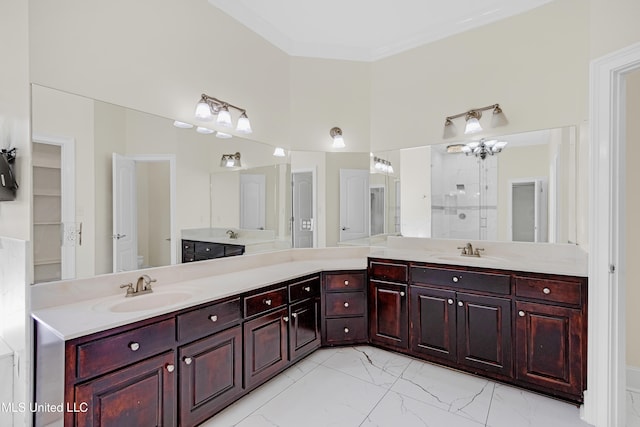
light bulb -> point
(203, 111)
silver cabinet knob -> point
(346, 305)
(134, 346)
(286, 319)
(346, 283)
(213, 318)
(267, 301)
(170, 368)
(455, 279)
(450, 301)
(307, 288)
(346, 330)
(521, 313)
(294, 315)
(208, 249)
(460, 303)
(187, 360)
(546, 291)
(401, 294)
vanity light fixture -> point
(230, 160)
(483, 148)
(382, 165)
(208, 107)
(279, 152)
(472, 120)
(336, 134)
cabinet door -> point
(433, 322)
(388, 323)
(141, 395)
(210, 375)
(304, 328)
(484, 333)
(265, 347)
(549, 347)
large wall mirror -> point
(525, 192)
(180, 184)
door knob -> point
(344, 228)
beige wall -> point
(613, 25)
(632, 229)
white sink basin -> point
(144, 302)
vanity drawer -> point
(562, 291)
(344, 281)
(208, 250)
(345, 304)
(233, 250)
(309, 288)
(461, 279)
(348, 329)
(207, 320)
(264, 301)
(389, 271)
(109, 353)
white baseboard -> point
(633, 378)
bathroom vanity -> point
(243, 320)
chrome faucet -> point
(232, 234)
(143, 286)
(468, 250)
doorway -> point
(528, 210)
(143, 211)
(378, 202)
(354, 204)
(252, 201)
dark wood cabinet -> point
(143, 394)
(550, 335)
(265, 346)
(433, 322)
(195, 250)
(344, 308)
(388, 315)
(210, 372)
(304, 328)
(484, 333)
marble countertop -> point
(61, 305)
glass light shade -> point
(501, 144)
(182, 125)
(223, 135)
(224, 117)
(491, 142)
(244, 126)
(279, 152)
(472, 126)
(466, 149)
(390, 169)
(473, 145)
(205, 131)
(223, 161)
(338, 141)
(203, 111)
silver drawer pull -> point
(267, 301)
(346, 330)
(170, 368)
(134, 346)
(521, 313)
(460, 303)
(401, 294)
(450, 301)
(346, 283)
(286, 319)
(187, 360)
(546, 291)
(307, 288)
(208, 249)
(213, 318)
(455, 279)
(294, 315)
(346, 305)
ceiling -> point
(364, 30)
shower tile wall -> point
(464, 196)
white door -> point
(528, 210)
(354, 204)
(302, 228)
(125, 231)
(252, 201)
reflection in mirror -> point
(384, 183)
(85, 133)
(526, 192)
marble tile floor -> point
(367, 386)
